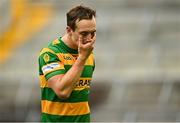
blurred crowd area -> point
(137, 75)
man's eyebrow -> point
(88, 31)
(93, 31)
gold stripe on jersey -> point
(43, 82)
(82, 83)
(81, 88)
(90, 60)
(68, 59)
(56, 41)
(69, 109)
(44, 50)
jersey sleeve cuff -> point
(51, 74)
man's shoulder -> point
(55, 42)
(46, 50)
(53, 47)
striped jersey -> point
(56, 59)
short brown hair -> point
(79, 13)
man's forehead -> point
(93, 19)
(86, 24)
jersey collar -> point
(70, 50)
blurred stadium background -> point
(137, 76)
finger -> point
(93, 39)
(81, 39)
(92, 42)
(88, 45)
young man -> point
(66, 67)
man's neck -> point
(67, 40)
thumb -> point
(80, 40)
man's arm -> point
(63, 84)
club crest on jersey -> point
(46, 57)
(50, 67)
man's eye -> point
(84, 33)
(93, 33)
(87, 33)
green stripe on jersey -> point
(57, 72)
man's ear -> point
(69, 30)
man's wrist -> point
(83, 59)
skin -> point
(83, 39)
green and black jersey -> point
(56, 59)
